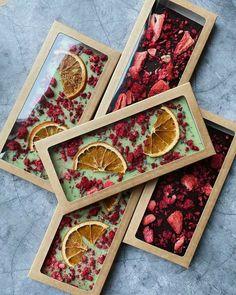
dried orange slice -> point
(42, 131)
(73, 245)
(165, 134)
(73, 74)
(111, 202)
(100, 156)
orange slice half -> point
(100, 156)
(73, 74)
(165, 134)
(42, 131)
(73, 246)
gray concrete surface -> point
(26, 210)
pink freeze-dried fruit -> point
(148, 219)
(184, 44)
(189, 181)
(101, 259)
(166, 72)
(148, 235)
(179, 245)
(49, 93)
(92, 190)
(158, 88)
(156, 24)
(152, 205)
(169, 200)
(108, 183)
(22, 132)
(207, 189)
(175, 220)
(111, 235)
(139, 60)
(53, 82)
(14, 146)
(39, 165)
(138, 90)
(120, 102)
(217, 161)
(71, 150)
(129, 97)
(114, 217)
(94, 211)
(152, 51)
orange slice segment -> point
(165, 134)
(42, 131)
(100, 156)
(73, 74)
(73, 245)
(111, 202)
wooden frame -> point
(35, 272)
(200, 15)
(57, 28)
(43, 146)
(130, 237)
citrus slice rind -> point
(99, 157)
(73, 74)
(74, 243)
(165, 135)
(43, 130)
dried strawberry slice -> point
(148, 235)
(129, 97)
(139, 60)
(175, 220)
(179, 245)
(148, 219)
(156, 24)
(120, 102)
(152, 205)
(189, 181)
(158, 88)
(184, 44)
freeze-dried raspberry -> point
(14, 146)
(53, 82)
(49, 93)
(22, 132)
(101, 259)
(217, 161)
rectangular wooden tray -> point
(185, 8)
(130, 237)
(37, 274)
(43, 146)
(37, 69)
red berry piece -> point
(179, 245)
(148, 219)
(189, 181)
(152, 205)
(148, 235)
(175, 220)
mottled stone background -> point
(25, 210)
